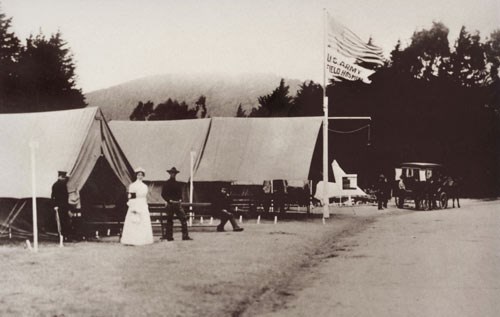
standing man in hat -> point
(172, 193)
(60, 202)
(383, 192)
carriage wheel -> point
(425, 204)
(443, 200)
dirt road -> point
(362, 262)
(433, 263)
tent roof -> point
(62, 140)
(258, 149)
(158, 145)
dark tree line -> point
(279, 103)
(429, 103)
(170, 110)
(37, 76)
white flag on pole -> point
(345, 50)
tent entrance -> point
(103, 197)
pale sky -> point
(114, 41)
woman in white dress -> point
(137, 228)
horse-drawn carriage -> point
(425, 184)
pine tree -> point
(276, 104)
(47, 76)
(309, 100)
(201, 107)
(9, 54)
(240, 113)
(142, 111)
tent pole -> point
(326, 211)
(33, 146)
(191, 172)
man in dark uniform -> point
(432, 191)
(280, 191)
(222, 204)
(60, 202)
(382, 192)
(172, 193)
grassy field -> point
(217, 274)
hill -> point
(224, 92)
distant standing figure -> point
(279, 192)
(401, 191)
(382, 192)
(432, 192)
(137, 228)
(452, 187)
(267, 195)
(60, 203)
(222, 204)
(172, 193)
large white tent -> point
(252, 150)
(72, 140)
(236, 150)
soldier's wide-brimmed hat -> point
(140, 170)
(173, 170)
(62, 173)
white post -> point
(191, 172)
(33, 146)
(310, 193)
(326, 211)
(271, 209)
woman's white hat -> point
(140, 170)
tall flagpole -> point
(326, 211)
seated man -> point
(222, 205)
